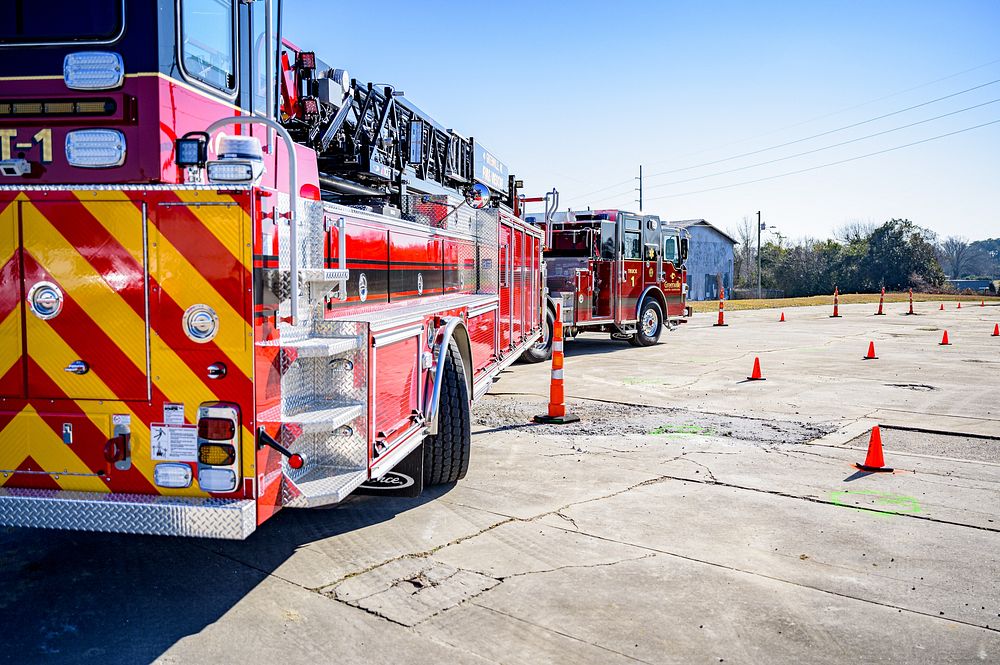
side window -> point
(207, 42)
(633, 246)
(608, 240)
(670, 249)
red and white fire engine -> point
(612, 271)
(233, 279)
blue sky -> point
(576, 95)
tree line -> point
(862, 258)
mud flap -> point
(405, 480)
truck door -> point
(630, 268)
(604, 270)
(506, 304)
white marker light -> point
(93, 70)
(95, 148)
(172, 475)
(216, 480)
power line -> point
(839, 111)
(617, 184)
(822, 166)
(832, 131)
(826, 147)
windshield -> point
(25, 22)
(570, 243)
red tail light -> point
(216, 429)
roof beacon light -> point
(93, 70)
(241, 160)
(95, 148)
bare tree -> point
(958, 258)
(746, 234)
(855, 230)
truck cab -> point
(615, 271)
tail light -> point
(218, 447)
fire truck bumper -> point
(233, 519)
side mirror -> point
(684, 249)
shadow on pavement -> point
(74, 597)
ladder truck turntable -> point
(611, 271)
(232, 278)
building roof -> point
(688, 223)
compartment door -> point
(87, 307)
(11, 351)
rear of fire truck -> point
(218, 297)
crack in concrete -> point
(785, 581)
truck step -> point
(318, 347)
(323, 485)
(317, 420)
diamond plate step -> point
(321, 486)
(323, 275)
(316, 421)
(318, 347)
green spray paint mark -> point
(877, 503)
(682, 429)
(637, 381)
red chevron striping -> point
(37, 481)
(92, 456)
(89, 340)
(111, 260)
(203, 251)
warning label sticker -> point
(173, 414)
(173, 442)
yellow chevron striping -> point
(10, 340)
(48, 449)
(15, 445)
(217, 219)
(186, 286)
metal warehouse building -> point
(710, 259)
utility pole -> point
(760, 227)
(640, 187)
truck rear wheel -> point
(650, 324)
(542, 349)
(446, 454)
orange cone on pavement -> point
(557, 399)
(755, 375)
(782, 319)
(911, 303)
(982, 303)
(959, 306)
(722, 310)
(873, 460)
(871, 352)
(881, 299)
(996, 330)
(836, 304)
(944, 339)
(941, 308)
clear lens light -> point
(217, 480)
(230, 171)
(95, 148)
(172, 475)
(93, 70)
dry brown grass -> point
(845, 299)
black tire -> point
(446, 454)
(541, 351)
(650, 324)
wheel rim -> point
(649, 322)
(542, 343)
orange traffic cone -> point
(881, 299)
(722, 310)
(959, 306)
(871, 352)
(557, 400)
(911, 312)
(944, 339)
(873, 460)
(755, 374)
(782, 319)
(982, 303)
(836, 303)
(996, 330)
(941, 308)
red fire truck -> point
(612, 271)
(232, 278)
